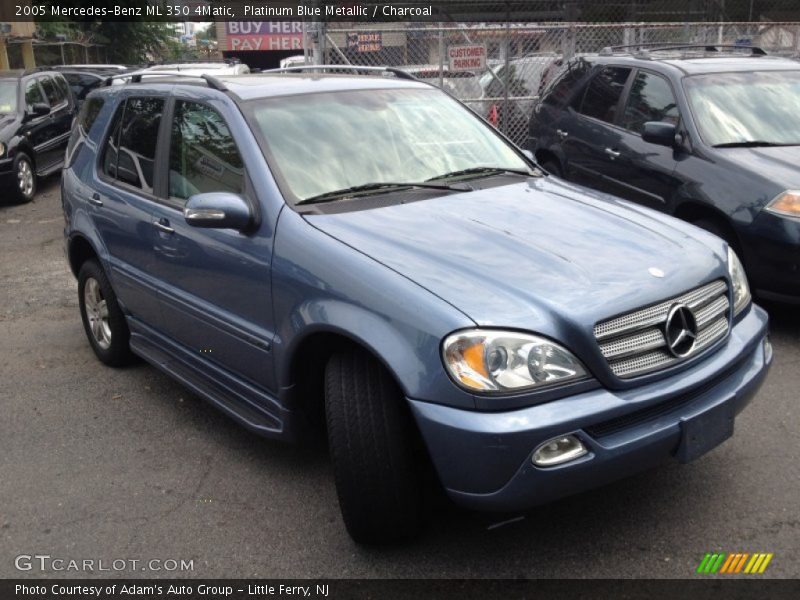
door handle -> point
(95, 199)
(612, 153)
(561, 133)
(163, 225)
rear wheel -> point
(375, 450)
(102, 316)
(24, 178)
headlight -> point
(506, 361)
(741, 291)
(787, 204)
(2, 149)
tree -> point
(127, 42)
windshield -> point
(321, 143)
(8, 97)
(737, 108)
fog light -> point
(767, 350)
(558, 450)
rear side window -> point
(203, 156)
(89, 113)
(565, 82)
(109, 159)
(84, 122)
(603, 93)
(130, 148)
(650, 99)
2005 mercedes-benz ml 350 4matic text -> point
(366, 253)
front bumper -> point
(772, 247)
(484, 459)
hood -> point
(537, 255)
(778, 164)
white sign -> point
(471, 57)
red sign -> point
(470, 57)
(264, 35)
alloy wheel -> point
(97, 313)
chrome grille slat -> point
(656, 314)
(634, 343)
(718, 307)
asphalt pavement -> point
(102, 464)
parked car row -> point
(444, 311)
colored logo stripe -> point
(734, 562)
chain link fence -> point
(499, 70)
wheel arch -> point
(692, 211)
(79, 250)
(303, 376)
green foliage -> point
(127, 42)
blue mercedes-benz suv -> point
(364, 254)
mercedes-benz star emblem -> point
(680, 330)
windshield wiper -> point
(483, 171)
(751, 144)
(379, 187)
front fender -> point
(321, 285)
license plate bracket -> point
(705, 431)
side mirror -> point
(218, 210)
(663, 134)
(39, 109)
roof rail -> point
(190, 61)
(646, 48)
(399, 73)
(136, 77)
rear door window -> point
(130, 145)
(61, 87)
(604, 92)
(54, 95)
(650, 99)
(137, 142)
(33, 94)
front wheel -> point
(25, 178)
(375, 450)
(102, 316)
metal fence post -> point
(441, 55)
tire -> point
(375, 450)
(102, 317)
(553, 167)
(24, 179)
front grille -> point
(634, 343)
